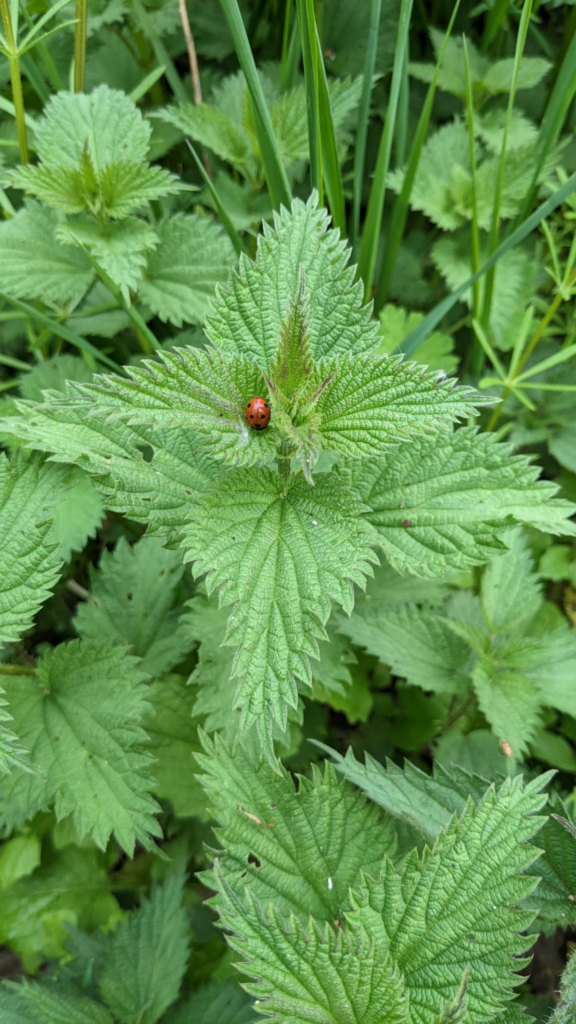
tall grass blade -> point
(437, 314)
(364, 116)
(330, 160)
(495, 225)
(61, 331)
(561, 99)
(373, 223)
(274, 170)
(225, 219)
(401, 207)
(307, 25)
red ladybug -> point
(258, 414)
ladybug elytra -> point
(258, 414)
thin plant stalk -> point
(557, 108)
(191, 48)
(274, 169)
(307, 25)
(401, 206)
(373, 222)
(15, 81)
(477, 355)
(80, 38)
(495, 225)
(364, 115)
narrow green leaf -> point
(275, 172)
(373, 222)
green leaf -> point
(193, 256)
(218, 1002)
(485, 77)
(121, 247)
(34, 265)
(80, 716)
(78, 516)
(425, 802)
(173, 739)
(52, 374)
(158, 492)
(208, 391)
(105, 122)
(370, 401)
(436, 352)
(214, 129)
(302, 848)
(215, 686)
(441, 505)
(248, 318)
(44, 1004)
(92, 150)
(19, 857)
(399, 925)
(514, 283)
(71, 888)
(417, 645)
(344, 36)
(510, 702)
(281, 556)
(511, 592)
(307, 974)
(555, 898)
(147, 957)
(133, 601)
(30, 560)
(481, 906)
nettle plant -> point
(338, 911)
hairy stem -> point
(16, 670)
(15, 81)
(80, 36)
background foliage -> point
(322, 677)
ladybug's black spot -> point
(265, 405)
(262, 415)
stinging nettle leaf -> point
(80, 715)
(208, 391)
(441, 505)
(29, 559)
(281, 554)
(248, 317)
(193, 256)
(147, 957)
(132, 601)
(321, 832)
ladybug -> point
(258, 414)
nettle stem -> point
(80, 37)
(16, 670)
(15, 81)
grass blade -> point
(401, 206)
(364, 116)
(557, 108)
(437, 314)
(330, 161)
(226, 222)
(274, 170)
(61, 331)
(373, 223)
(307, 26)
(495, 225)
